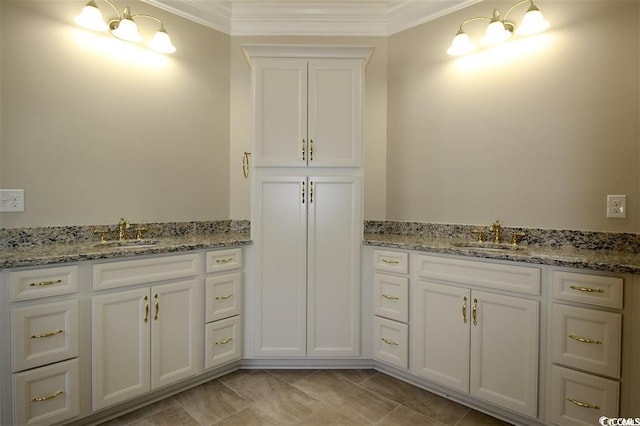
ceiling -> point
(311, 17)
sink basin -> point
(486, 246)
(129, 244)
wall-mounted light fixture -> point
(124, 26)
(499, 29)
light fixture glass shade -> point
(127, 30)
(91, 18)
(161, 42)
(533, 22)
(496, 33)
(461, 44)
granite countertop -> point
(596, 259)
(91, 250)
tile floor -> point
(305, 397)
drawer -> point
(35, 283)
(596, 290)
(46, 333)
(521, 279)
(391, 342)
(223, 341)
(223, 260)
(142, 271)
(586, 338)
(223, 296)
(391, 261)
(580, 398)
(46, 395)
(391, 297)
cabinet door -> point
(175, 332)
(335, 112)
(120, 346)
(440, 320)
(504, 351)
(280, 112)
(335, 236)
(279, 240)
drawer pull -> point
(223, 342)
(583, 340)
(225, 297)
(44, 283)
(582, 404)
(390, 297)
(390, 261)
(53, 333)
(48, 397)
(224, 260)
(586, 289)
(390, 342)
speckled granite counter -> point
(613, 252)
(75, 252)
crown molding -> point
(359, 18)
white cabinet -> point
(144, 338)
(223, 307)
(391, 307)
(585, 333)
(307, 112)
(476, 341)
(44, 345)
(306, 234)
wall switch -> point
(617, 206)
(11, 200)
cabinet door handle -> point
(156, 303)
(390, 261)
(310, 149)
(474, 312)
(464, 310)
(52, 333)
(390, 342)
(303, 187)
(48, 397)
(224, 341)
(44, 283)
(586, 289)
(585, 340)
(310, 192)
(146, 309)
(304, 150)
(390, 297)
(226, 296)
(582, 404)
(224, 260)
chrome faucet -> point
(122, 227)
(496, 228)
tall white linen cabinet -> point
(306, 202)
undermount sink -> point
(123, 244)
(487, 246)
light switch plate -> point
(11, 200)
(617, 206)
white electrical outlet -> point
(617, 206)
(11, 200)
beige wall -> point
(374, 123)
(537, 140)
(92, 134)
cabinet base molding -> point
(152, 397)
(460, 398)
(306, 362)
